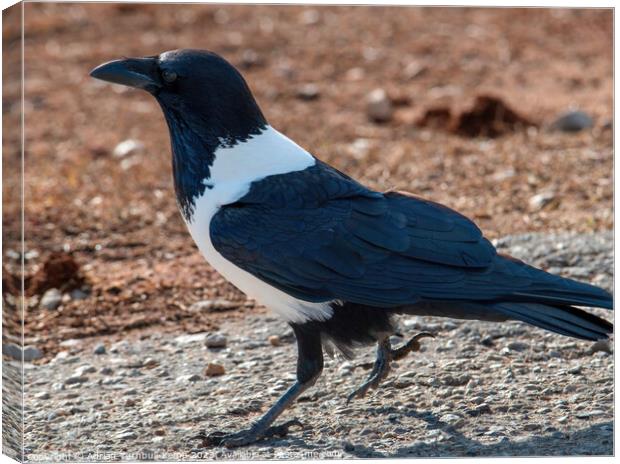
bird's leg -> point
(385, 355)
(379, 371)
(309, 367)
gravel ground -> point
(478, 389)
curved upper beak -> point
(140, 73)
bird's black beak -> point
(140, 73)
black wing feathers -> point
(319, 236)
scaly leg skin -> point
(309, 367)
(385, 355)
(262, 428)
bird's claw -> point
(412, 345)
(381, 366)
(361, 391)
(245, 437)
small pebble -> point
(188, 378)
(74, 379)
(274, 340)
(31, 353)
(540, 200)
(378, 106)
(78, 294)
(600, 345)
(308, 92)
(213, 305)
(517, 346)
(215, 340)
(99, 349)
(193, 338)
(51, 299)
(126, 435)
(56, 414)
(451, 419)
(85, 369)
(572, 121)
(127, 148)
(12, 350)
(214, 369)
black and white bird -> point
(333, 258)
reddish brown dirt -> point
(120, 224)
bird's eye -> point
(169, 76)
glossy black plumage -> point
(320, 236)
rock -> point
(85, 369)
(42, 396)
(575, 370)
(378, 106)
(213, 305)
(126, 435)
(359, 149)
(214, 369)
(308, 92)
(215, 340)
(250, 59)
(11, 350)
(188, 378)
(51, 299)
(274, 340)
(31, 353)
(74, 379)
(600, 345)
(106, 371)
(71, 343)
(455, 381)
(128, 148)
(58, 386)
(56, 414)
(414, 69)
(348, 446)
(99, 349)
(193, 338)
(517, 346)
(78, 294)
(531, 426)
(540, 200)
(572, 121)
(451, 419)
(482, 408)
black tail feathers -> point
(562, 319)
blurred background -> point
(502, 114)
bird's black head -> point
(193, 87)
(207, 105)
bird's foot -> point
(245, 437)
(410, 346)
(381, 366)
(380, 370)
